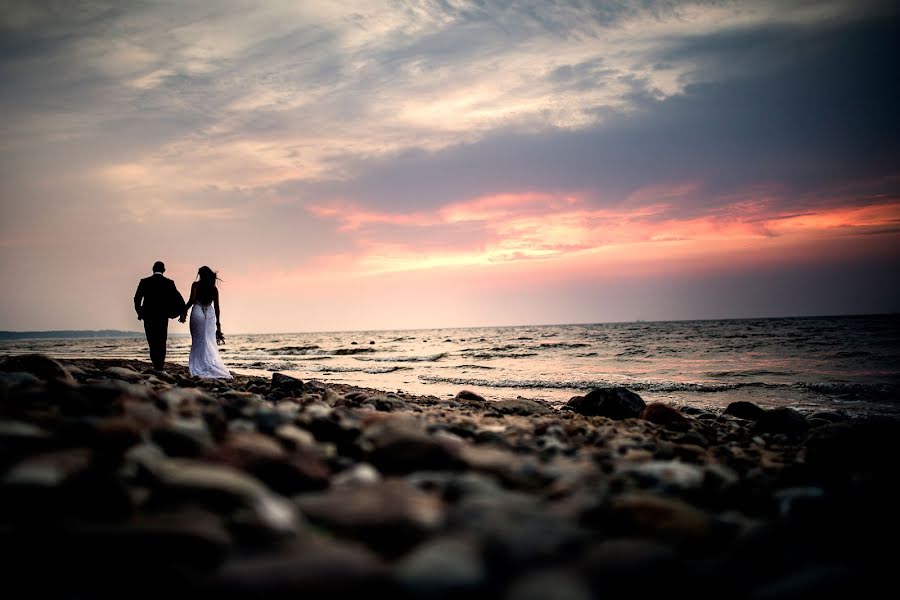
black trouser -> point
(157, 329)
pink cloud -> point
(560, 228)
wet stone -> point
(520, 406)
(286, 383)
(663, 414)
(614, 402)
(745, 410)
(390, 516)
(470, 396)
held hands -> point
(182, 318)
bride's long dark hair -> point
(207, 279)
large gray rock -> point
(613, 402)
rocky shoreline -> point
(120, 481)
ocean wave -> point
(491, 355)
(344, 369)
(748, 373)
(291, 350)
(428, 358)
(632, 352)
(585, 385)
(550, 345)
(268, 366)
(350, 351)
(317, 351)
(852, 389)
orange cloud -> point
(530, 226)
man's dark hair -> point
(159, 267)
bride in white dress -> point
(204, 360)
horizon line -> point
(559, 324)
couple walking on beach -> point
(157, 300)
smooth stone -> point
(65, 482)
(180, 397)
(467, 395)
(660, 518)
(286, 383)
(124, 373)
(18, 380)
(48, 470)
(671, 473)
(614, 402)
(663, 414)
(42, 367)
(184, 438)
(20, 429)
(389, 404)
(442, 566)
(520, 406)
(397, 446)
(390, 516)
(515, 527)
(745, 410)
(225, 490)
(359, 474)
(294, 437)
(286, 473)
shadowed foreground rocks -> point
(118, 481)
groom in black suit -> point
(161, 302)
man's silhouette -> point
(161, 302)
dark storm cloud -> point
(800, 107)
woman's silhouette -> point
(206, 329)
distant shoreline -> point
(73, 333)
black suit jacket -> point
(160, 298)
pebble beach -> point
(118, 481)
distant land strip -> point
(101, 333)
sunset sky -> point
(377, 165)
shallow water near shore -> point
(816, 363)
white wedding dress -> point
(204, 360)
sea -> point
(844, 363)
